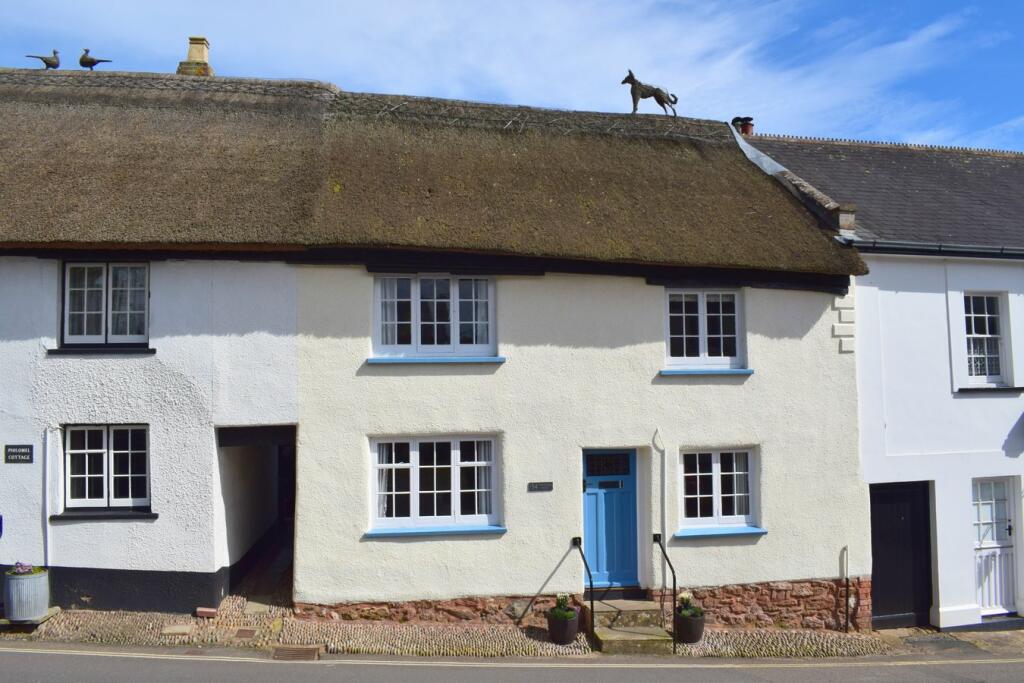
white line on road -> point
(603, 664)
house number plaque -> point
(17, 454)
(540, 486)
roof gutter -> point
(933, 249)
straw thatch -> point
(118, 159)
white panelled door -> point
(993, 545)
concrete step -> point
(633, 640)
(615, 613)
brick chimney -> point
(197, 63)
(744, 125)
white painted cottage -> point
(397, 353)
(940, 349)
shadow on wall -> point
(1013, 446)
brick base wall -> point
(520, 610)
(805, 603)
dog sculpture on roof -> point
(641, 91)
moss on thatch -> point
(132, 159)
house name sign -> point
(17, 454)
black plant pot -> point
(687, 629)
(563, 631)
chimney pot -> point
(197, 63)
(744, 125)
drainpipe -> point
(47, 460)
(846, 575)
(664, 496)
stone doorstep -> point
(616, 613)
(636, 640)
(178, 630)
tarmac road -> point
(31, 662)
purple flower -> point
(22, 568)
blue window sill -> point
(428, 360)
(436, 531)
(668, 372)
(707, 531)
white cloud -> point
(721, 58)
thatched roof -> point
(123, 160)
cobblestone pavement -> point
(234, 626)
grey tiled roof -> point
(914, 193)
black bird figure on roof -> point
(48, 62)
(88, 61)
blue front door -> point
(609, 516)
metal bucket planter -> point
(26, 596)
(687, 629)
(563, 631)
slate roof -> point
(914, 193)
(104, 160)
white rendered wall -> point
(914, 426)
(582, 372)
(224, 335)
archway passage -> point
(257, 470)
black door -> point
(901, 573)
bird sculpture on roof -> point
(88, 61)
(48, 62)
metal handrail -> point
(577, 542)
(664, 554)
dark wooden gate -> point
(901, 581)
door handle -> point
(1009, 528)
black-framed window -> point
(106, 466)
(105, 304)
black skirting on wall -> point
(136, 590)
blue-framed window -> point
(433, 315)
(434, 482)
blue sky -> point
(932, 72)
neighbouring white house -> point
(404, 351)
(940, 353)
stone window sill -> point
(429, 360)
(101, 351)
(482, 530)
(741, 372)
(713, 531)
(994, 389)
(103, 514)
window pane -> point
(138, 463)
(402, 452)
(121, 437)
(95, 463)
(119, 323)
(706, 509)
(77, 488)
(94, 323)
(402, 505)
(121, 463)
(95, 488)
(77, 439)
(691, 507)
(728, 508)
(77, 463)
(139, 487)
(121, 487)
(76, 301)
(76, 276)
